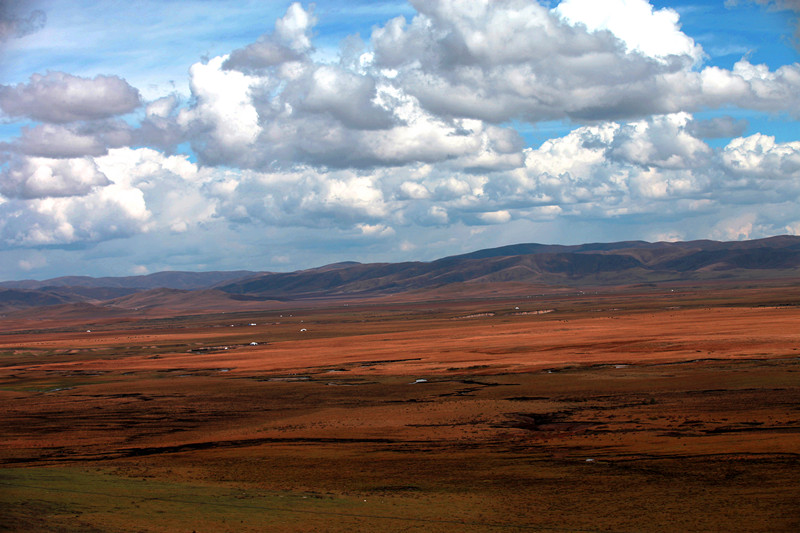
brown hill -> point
(178, 301)
(169, 279)
(577, 266)
(494, 270)
(11, 299)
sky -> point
(202, 135)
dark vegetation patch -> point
(526, 398)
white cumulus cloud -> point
(39, 177)
(60, 97)
(653, 32)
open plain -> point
(650, 408)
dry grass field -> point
(636, 409)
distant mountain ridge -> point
(780, 241)
(158, 280)
(594, 264)
(580, 265)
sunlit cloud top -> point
(208, 135)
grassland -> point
(635, 409)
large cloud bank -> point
(411, 128)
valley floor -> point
(630, 410)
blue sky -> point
(207, 135)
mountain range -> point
(585, 265)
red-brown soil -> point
(634, 410)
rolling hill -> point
(158, 280)
(620, 263)
(585, 265)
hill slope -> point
(596, 264)
(583, 265)
(159, 280)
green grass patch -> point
(76, 499)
